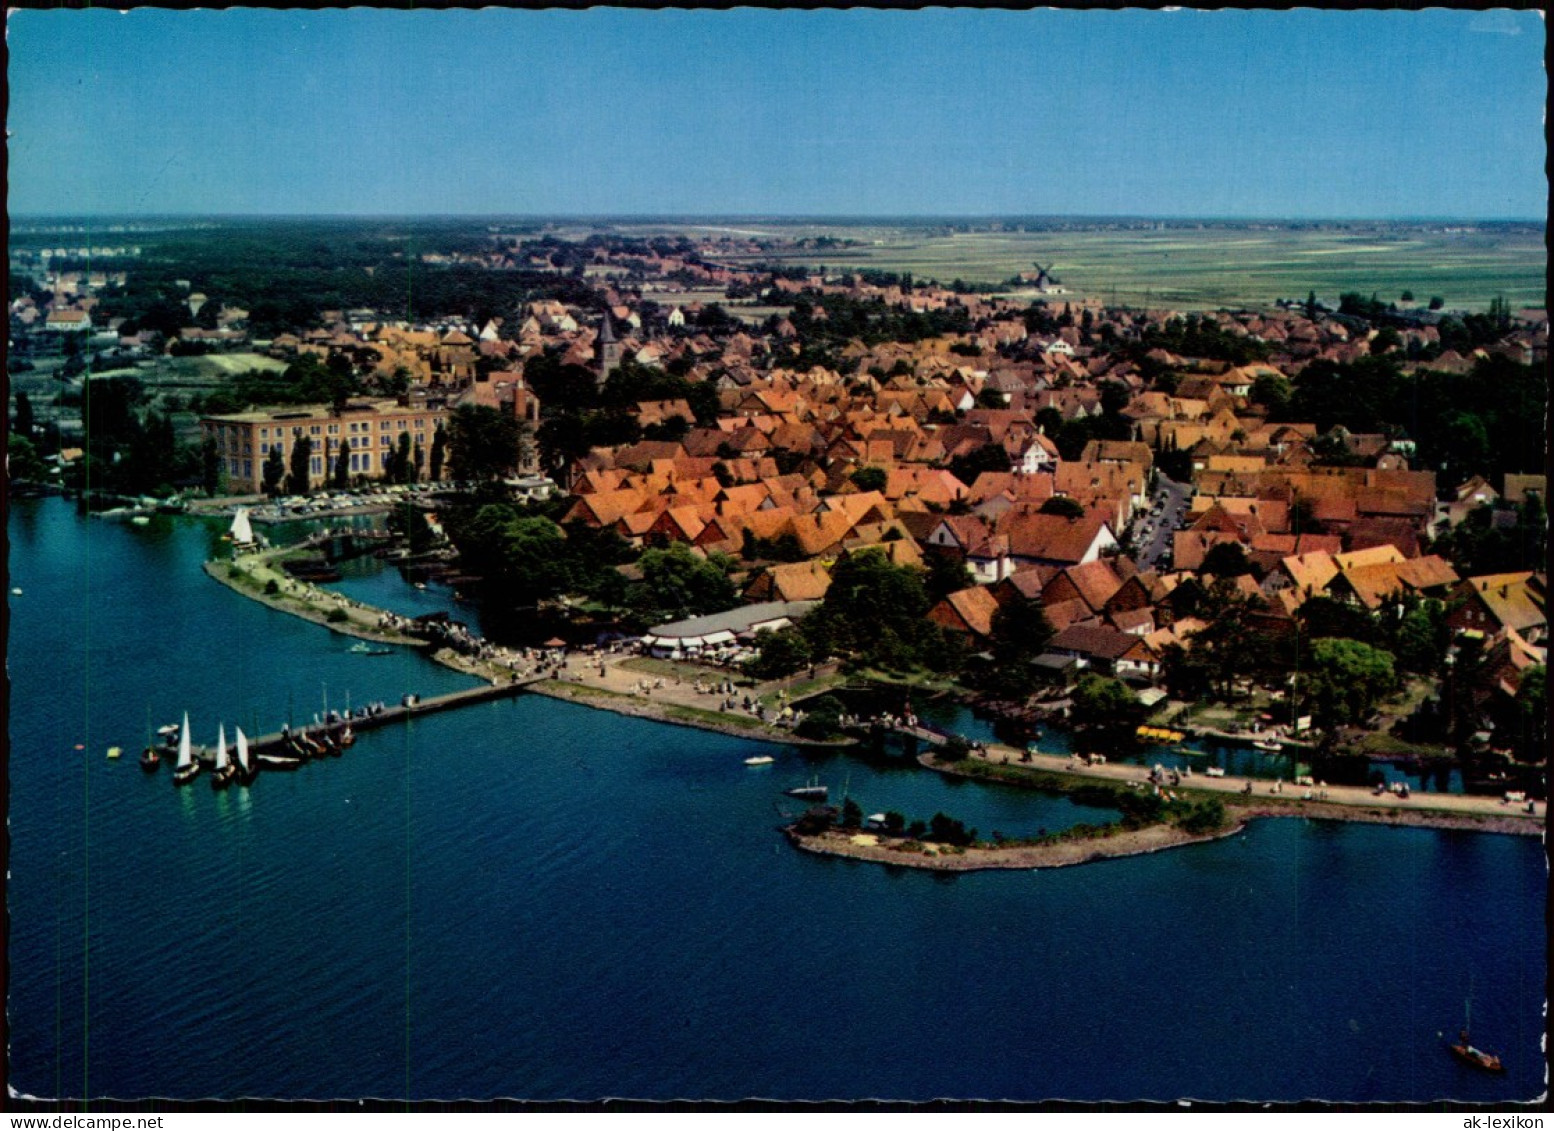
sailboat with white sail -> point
(245, 768)
(225, 771)
(186, 769)
(242, 532)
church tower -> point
(608, 348)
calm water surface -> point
(533, 899)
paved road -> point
(1152, 532)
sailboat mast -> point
(185, 752)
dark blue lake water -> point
(537, 900)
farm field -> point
(1204, 268)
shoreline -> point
(876, 849)
(879, 849)
(1370, 809)
(587, 695)
(1003, 764)
(285, 603)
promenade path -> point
(1236, 787)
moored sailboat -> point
(813, 791)
(150, 757)
(186, 769)
(224, 772)
(245, 768)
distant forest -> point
(287, 272)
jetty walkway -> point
(411, 707)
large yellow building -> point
(371, 427)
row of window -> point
(385, 442)
(232, 432)
(361, 461)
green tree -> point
(947, 573)
(1204, 817)
(404, 471)
(989, 457)
(483, 442)
(852, 814)
(1228, 648)
(1422, 635)
(1063, 506)
(1345, 679)
(409, 523)
(523, 557)
(1531, 736)
(439, 452)
(22, 423)
(212, 468)
(676, 583)
(780, 653)
(1387, 338)
(342, 469)
(301, 457)
(22, 461)
(1105, 711)
(274, 471)
(1273, 391)
(1021, 631)
(947, 830)
(1226, 559)
(822, 718)
(874, 611)
(870, 478)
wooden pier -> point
(402, 712)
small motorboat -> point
(760, 760)
(1270, 744)
(1214, 772)
(362, 648)
(278, 762)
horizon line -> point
(780, 217)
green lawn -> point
(669, 669)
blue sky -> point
(1311, 114)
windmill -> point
(1044, 277)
